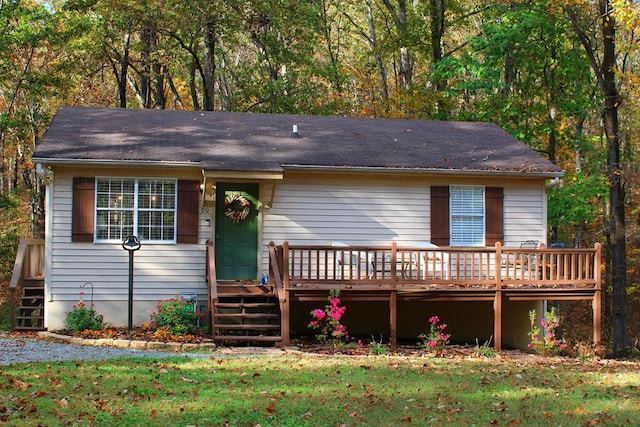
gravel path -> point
(16, 350)
(30, 349)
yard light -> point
(131, 244)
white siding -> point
(305, 208)
(524, 213)
(160, 271)
(313, 209)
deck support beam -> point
(393, 319)
(497, 321)
(285, 330)
(597, 318)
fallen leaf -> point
(63, 403)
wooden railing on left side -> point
(275, 277)
(211, 281)
(29, 264)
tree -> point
(600, 48)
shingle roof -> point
(265, 142)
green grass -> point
(5, 318)
(312, 390)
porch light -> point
(131, 244)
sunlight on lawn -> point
(307, 390)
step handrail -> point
(274, 266)
(18, 272)
(275, 262)
(213, 283)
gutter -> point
(127, 163)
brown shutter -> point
(83, 209)
(188, 202)
(494, 215)
(440, 215)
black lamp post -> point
(131, 244)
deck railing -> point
(397, 267)
(29, 265)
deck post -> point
(597, 297)
(393, 318)
(282, 272)
(497, 302)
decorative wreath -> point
(236, 207)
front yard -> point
(311, 389)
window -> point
(142, 207)
(467, 208)
(441, 216)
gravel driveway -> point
(27, 349)
(16, 350)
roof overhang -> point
(427, 171)
(246, 174)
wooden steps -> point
(246, 313)
(30, 312)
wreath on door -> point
(236, 207)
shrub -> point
(436, 339)
(179, 316)
(377, 348)
(544, 341)
(327, 320)
(81, 318)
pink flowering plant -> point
(437, 338)
(327, 321)
(543, 337)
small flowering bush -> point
(176, 315)
(543, 340)
(327, 320)
(81, 318)
(437, 338)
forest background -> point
(561, 75)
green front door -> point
(236, 231)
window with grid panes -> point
(467, 210)
(144, 207)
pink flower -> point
(318, 314)
(434, 320)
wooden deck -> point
(394, 273)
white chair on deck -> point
(432, 264)
(355, 263)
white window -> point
(145, 208)
(467, 215)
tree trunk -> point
(436, 12)
(209, 66)
(614, 173)
(146, 36)
(121, 77)
(373, 41)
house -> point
(207, 192)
